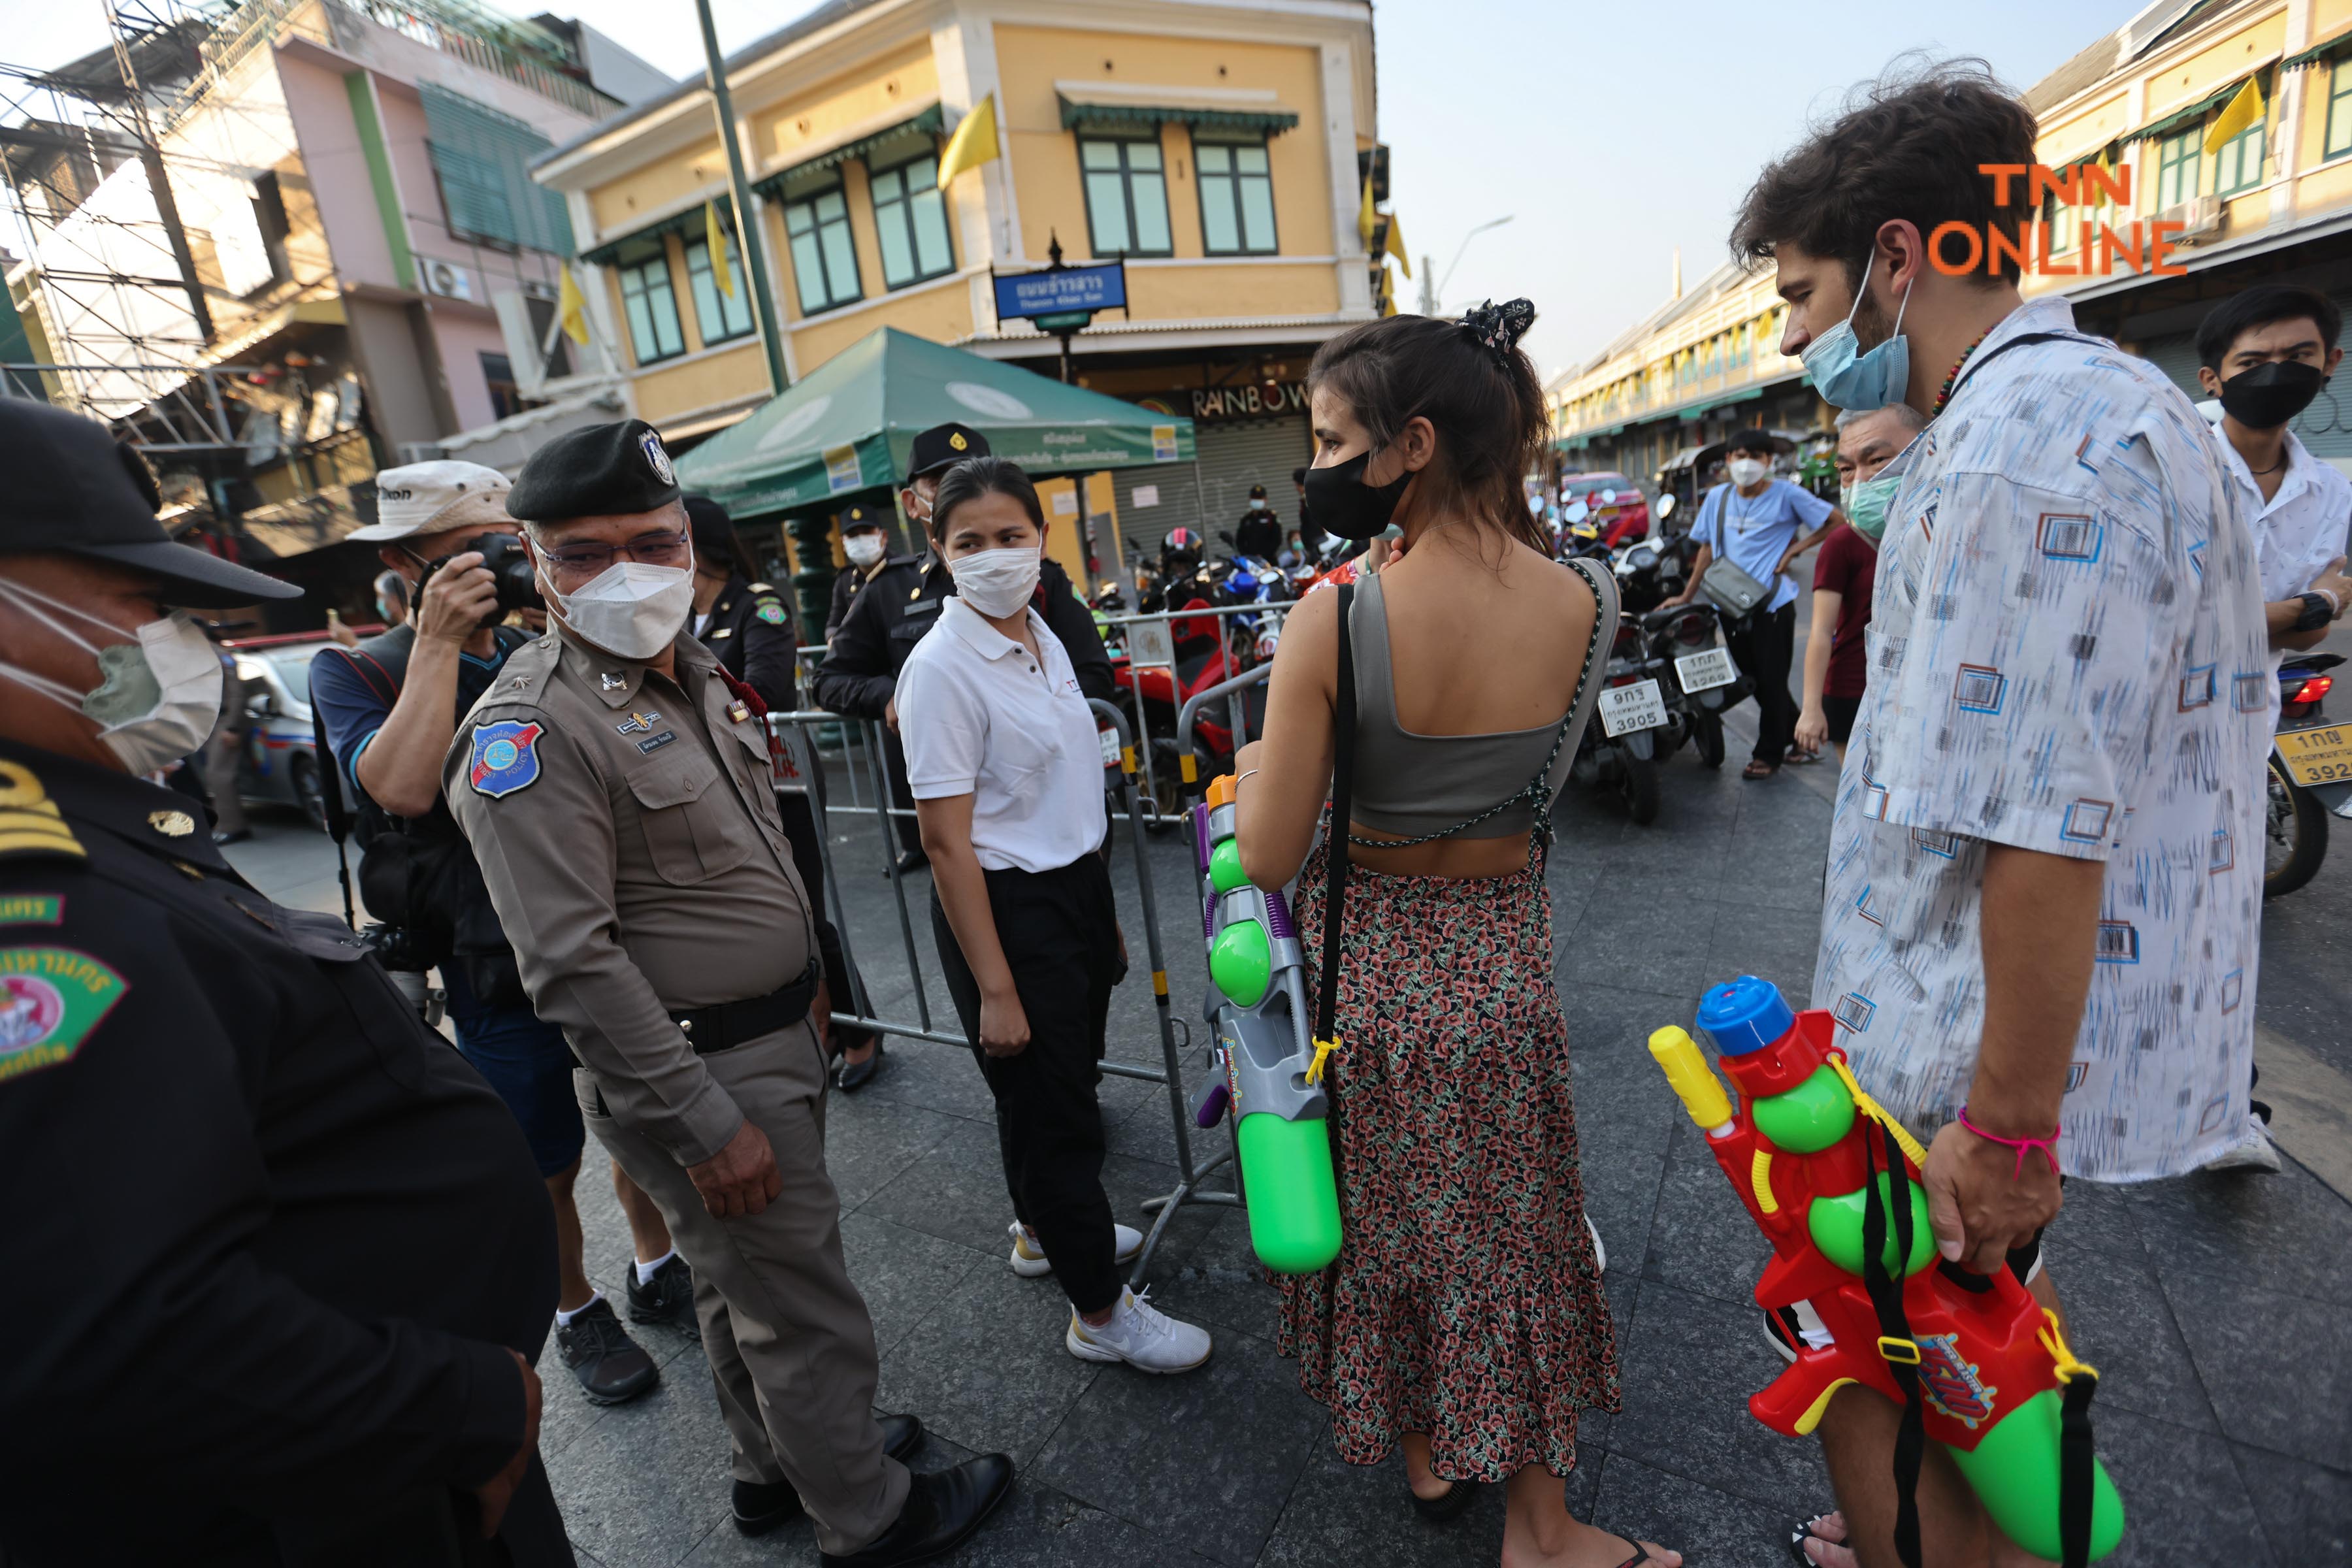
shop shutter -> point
(2325, 428)
(2176, 356)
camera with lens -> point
(509, 568)
(401, 952)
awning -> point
(1107, 106)
(2183, 119)
(2335, 48)
(931, 121)
(688, 223)
(850, 426)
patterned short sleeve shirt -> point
(2068, 655)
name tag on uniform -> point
(656, 742)
(924, 607)
(721, 632)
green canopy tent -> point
(849, 424)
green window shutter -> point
(483, 158)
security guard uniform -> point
(625, 825)
(861, 669)
(750, 630)
(286, 1235)
(849, 583)
(1259, 531)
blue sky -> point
(1612, 132)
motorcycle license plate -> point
(1108, 742)
(1705, 671)
(2317, 757)
(1625, 708)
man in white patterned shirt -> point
(2044, 874)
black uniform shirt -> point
(1258, 533)
(847, 583)
(750, 634)
(283, 1234)
(860, 672)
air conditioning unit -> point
(444, 279)
(421, 452)
(2199, 217)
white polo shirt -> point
(2302, 528)
(980, 717)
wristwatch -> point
(2317, 611)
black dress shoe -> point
(941, 1512)
(610, 1366)
(855, 1075)
(761, 1506)
(666, 1298)
(912, 861)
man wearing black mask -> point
(2265, 354)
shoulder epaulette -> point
(763, 588)
(30, 823)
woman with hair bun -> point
(1463, 1318)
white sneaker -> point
(1030, 1262)
(1600, 1253)
(1140, 1334)
(2252, 1152)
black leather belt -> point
(723, 1025)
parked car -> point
(281, 765)
(1613, 505)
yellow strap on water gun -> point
(1315, 1069)
(1876, 1112)
(2053, 1340)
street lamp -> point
(1430, 295)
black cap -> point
(602, 470)
(943, 446)
(1257, 492)
(72, 487)
(858, 517)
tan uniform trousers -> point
(788, 1337)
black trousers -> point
(802, 825)
(1060, 937)
(1763, 644)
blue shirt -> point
(1753, 532)
(353, 699)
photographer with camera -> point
(389, 707)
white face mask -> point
(1746, 470)
(997, 582)
(160, 696)
(629, 609)
(863, 549)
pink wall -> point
(464, 333)
(338, 171)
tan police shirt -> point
(626, 827)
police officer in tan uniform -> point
(615, 784)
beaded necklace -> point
(1944, 392)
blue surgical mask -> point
(1848, 378)
(1865, 504)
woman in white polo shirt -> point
(1007, 779)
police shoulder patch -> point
(505, 757)
(772, 612)
(51, 1000)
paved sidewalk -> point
(2215, 1306)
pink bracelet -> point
(2048, 1146)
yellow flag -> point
(572, 309)
(973, 144)
(1366, 217)
(1396, 245)
(2245, 112)
(714, 237)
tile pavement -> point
(2219, 1306)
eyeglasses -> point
(664, 548)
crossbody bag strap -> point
(1334, 837)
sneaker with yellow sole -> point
(1030, 1262)
(1140, 1334)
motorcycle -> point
(1623, 749)
(2309, 778)
(1206, 649)
(1697, 676)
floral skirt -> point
(1466, 1302)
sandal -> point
(1447, 1504)
(1801, 755)
(1641, 1555)
(1759, 770)
(1804, 1532)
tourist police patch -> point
(50, 999)
(505, 757)
(772, 612)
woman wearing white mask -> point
(1007, 780)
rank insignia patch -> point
(50, 999)
(638, 723)
(505, 757)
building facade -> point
(1220, 151)
(2271, 204)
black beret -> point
(602, 470)
(943, 446)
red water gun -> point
(1975, 1361)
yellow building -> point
(2271, 204)
(1220, 151)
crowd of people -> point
(305, 1274)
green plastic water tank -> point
(1225, 868)
(2013, 1470)
(1294, 1204)
(1241, 961)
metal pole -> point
(746, 231)
(151, 154)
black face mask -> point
(2268, 395)
(1338, 500)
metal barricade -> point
(798, 771)
(1171, 813)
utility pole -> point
(1428, 287)
(158, 183)
(747, 232)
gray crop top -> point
(1410, 785)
